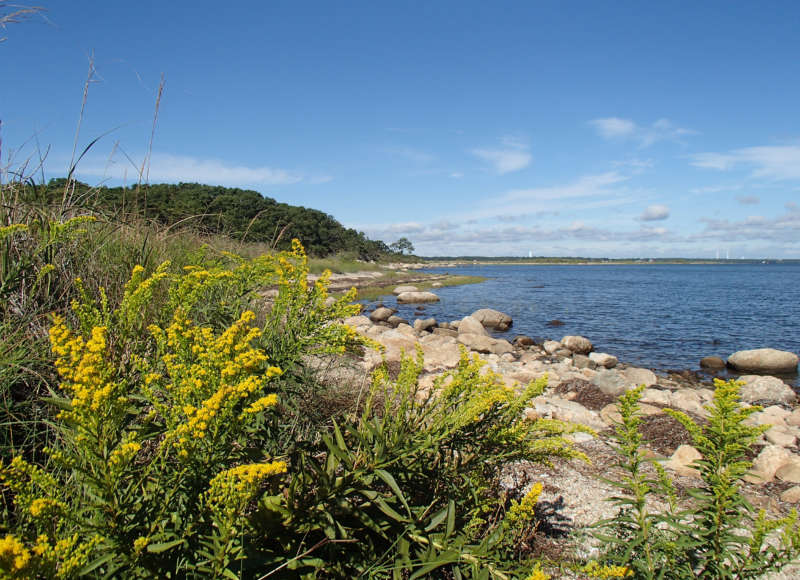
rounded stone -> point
(764, 360)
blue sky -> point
(482, 128)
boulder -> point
(471, 325)
(437, 285)
(581, 361)
(523, 340)
(398, 342)
(357, 321)
(688, 400)
(636, 376)
(761, 388)
(771, 458)
(610, 382)
(396, 321)
(484, 344)
(445, 332)
(441, 352)
(381, 314)
(577, 344)
(551, 346)
(657, 397)
(602, 359)
(790, 471)
(415, 297)
(781, 436)
(493, 318)
(421, 324)
(682, 459)
(400, 289)
(712, 362)
(763, 360)
(568, 411)
(791, 495)
(794, 418)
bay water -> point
(659, 316)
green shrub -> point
(720, 535)
(169, 457)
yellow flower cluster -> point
(603, 571)
(66, 556)
(538, 574)
(82, 366)
(523, 512)
(8, 231)
(261, 405)
(14, 556)
(230, 490)
(44, 506)
(207, 376)
(124, 453)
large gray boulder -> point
(602, 359)
(577, 344)
(471, 325)
(416, 297)
(763, 360)
(760, 388)
(421, 324)
(493, 318)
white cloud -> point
(174, 168)
(654, 213)
(513, 156)
(456, 175)
(776, 162)
(504, 161)
(586, 186)
(615, 128)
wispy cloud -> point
(654, 213)
(513, 155)
(174, 168)
(776, 162)
(416, 156)
(616, 128)
(586, 186)
(748, 199)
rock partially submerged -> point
(764, 360)
(577, 344)
(416, 297)
(493, 318)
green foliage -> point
(168, 458)
(402, 246)
(719, 535)
(244, 215)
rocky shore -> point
(583, 386)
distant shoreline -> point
(547, 262)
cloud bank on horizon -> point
(467, 129)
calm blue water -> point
(656, 316)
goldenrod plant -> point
(718, 535)
(159, 446)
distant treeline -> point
(239, 213)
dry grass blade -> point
(17, 14)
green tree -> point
(402, 246)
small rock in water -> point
(712, 362)
(412, 297)
(555, 322)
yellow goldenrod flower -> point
(14, 556)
